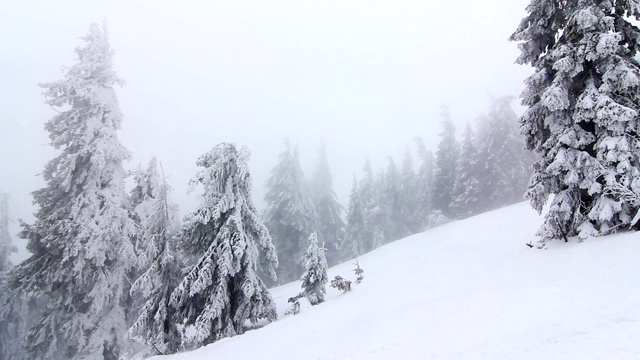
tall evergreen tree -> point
(356, 239)
(466, 199)
(314, 279)
(583, 113)
(80, 239)
(408, 190)
(290, 215)
(329, 211)
(505, 167)
(147, 201)
(425, 183)
(9, 317)
(12, 323)
(445, 170)
(223, 291)
(6, 243)
(392, 204)
(379, 218)
(158, 262)
(368, 197)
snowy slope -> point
(467, 290)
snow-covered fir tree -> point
(445, 169)
(466, 192)
(582, 115)
(290, 215)
(356, 239)
(151, 211)
(408, 189)
(378, 216)
(329, 211)
(392, 204)
(81, 238)
(223, 291)
(314, 279)
(158, 263)
(505, 167)
(424, 192)
(6, 243)
(9, 317)
(14, 315)
(369, 200)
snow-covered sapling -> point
(295, 308)
(315, 278)
(359, 272)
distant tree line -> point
(487, 170)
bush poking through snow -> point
(359, 272)
(341, 284)
(295, 308)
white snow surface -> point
(466, 290)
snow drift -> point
(467, 290)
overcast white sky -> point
(365, 76)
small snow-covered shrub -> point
(341, 284)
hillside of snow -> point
(467, 290)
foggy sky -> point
(365, 76)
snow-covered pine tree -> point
(330, 223)
(81, 237)
(466, 199)
(378, 216)
(11, 324)
(446, 163)
(408, 189)
(424, 192)
(6, 243)
(356, 239)
(139, 198)
(583, 113)
(391, 203)
(223, 290)
(369, 200)
(9, 318)
(505, 165)
(290, 215)
(314, 279)
(148, 200)
(159, 265)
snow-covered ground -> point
(467, 290)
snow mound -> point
(467, 290)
